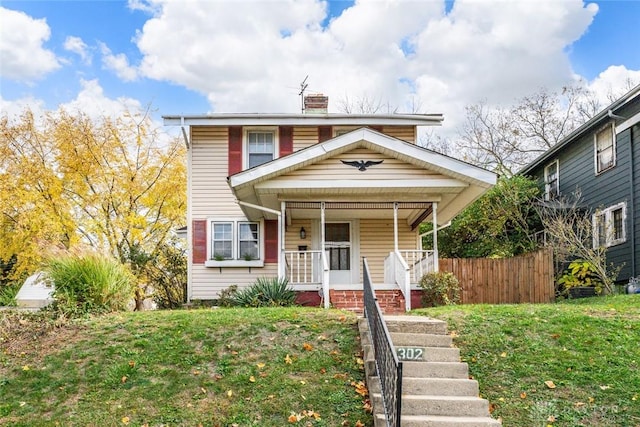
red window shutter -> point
(235, 149)
(199, 241)
(324, 133)
(286, 140)
(271, 248)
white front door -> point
(338, 251)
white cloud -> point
(119, 64)
(79, 47)
(614, 82)
(22, 55)
(14, 108)
(251, 55)
(92, 101)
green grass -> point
(589, 349)
(226, 367)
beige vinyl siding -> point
(376, 241)
(212, 197)
(304, 136)
(208, 282)
(333, 168)
(210, 193)
(405, 133)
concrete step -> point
(428, 354)
(415, 325)
(435, 370)
(434, 386)
(421, 340)
(461, 406)
(439, 421)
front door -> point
(338, 251)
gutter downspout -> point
(632, 200)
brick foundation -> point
(391, 301)
(308, 298)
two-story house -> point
(601, 159)
(307, 196)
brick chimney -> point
(316, 104)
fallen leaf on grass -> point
(503, 354)
(125, 420)
(359, 424)
(261, 365)
(605, 387)
(229, 393)
(523, 395)
(132, 363)
(22, 404)
(550, 384)
(288, 360)
(252, 379)
(307, 346)
(26, 368)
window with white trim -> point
(260, 147)
(551, 181)
(609, 226)
(235, 240)
(605, 149)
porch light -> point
(303, 233)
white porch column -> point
(436, 268)
(395, 226)
(325, 274)
(282, 269)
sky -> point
(213, 56)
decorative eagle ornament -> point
(361, 164)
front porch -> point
(322, 244)
(360, 194)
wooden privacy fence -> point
(523, 279)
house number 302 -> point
(410, 353)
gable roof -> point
(468, 182)
(596, 121)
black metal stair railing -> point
(389, 368)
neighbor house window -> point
(235, 240)
(605, 149)
(609, 226)
(261, 146)
(551, 182)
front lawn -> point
(575, 363)
(226, 367)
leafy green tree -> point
(499, 224)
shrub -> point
(89, 284)
(439, 288)
(264, 292)
(580, 273)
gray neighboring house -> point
(602, 159)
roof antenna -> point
(303, 87)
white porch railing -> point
(420, 262)
(396, 271)
(308, 268)
(304, 267)
(406, 268)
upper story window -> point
(605, 149)
(261, 147)
(609, 226)
(551, 181)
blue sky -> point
(247, 56)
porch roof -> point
(452, 183)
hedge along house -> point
(306, 196)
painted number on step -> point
(410, 353)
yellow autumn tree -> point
(115, 184)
